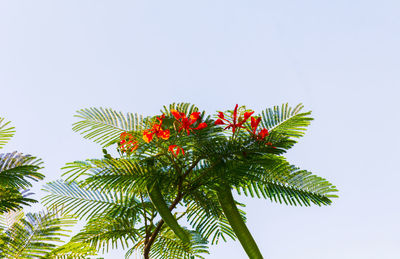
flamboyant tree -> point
(30, 235)
(183, 165)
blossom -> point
(157, 130)
(263, 133)
(236, 123)
(175, 149)
(127, 143)
(186, 123)
(254, 124)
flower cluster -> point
(156, 130)
(263, 132)
(190, 124)
(127, 143)
(175, 149)
(186, 123)
(238, 122)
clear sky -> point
(340, 58)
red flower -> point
(148, 136)
(254, 124)
(176, 151)
(157, 130)
(263, 133)
(236, 123)
(186, 123)
(128, 143)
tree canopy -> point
(167, 191)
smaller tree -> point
(182, 165)
(31, 235)
(17, 171)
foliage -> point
(31, 235)
(6, 132)
(183, 160)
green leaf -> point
(6, 132)
(104, 126)
(34, 235)
(87, 203)
(285, 120)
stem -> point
(147, 247)
(159, 203)
(145, 220)
(235, 220)
(165, 213)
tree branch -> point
(153, 236)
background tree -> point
(17, 171)
(31, 235)
(183, 158)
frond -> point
(274, 178)
(8, 219)
(110, 174)
(286, 120)
(107, 232)
(87, 203)
(103, 126)
(211, 226)
(169, 246)
(16, 170)
(11, 199)
(6, 132)
(70, 250)
(35, 235)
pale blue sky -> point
(340, 58)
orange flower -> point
(186, 123)
(157, 130)
(147, 135)
(236, 123)
(128, 143)
(175, 149)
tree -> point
(31, 235)
(16, 173)
(183, 160)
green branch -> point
(165, 213)
(235, 220)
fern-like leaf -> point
(6, 132)
(87, 203)
(71, 250)
(16, 170)
(169, 246)
(104, 233)
(34, 236)
(286, 120)
(103, 126)
(211, 226)
(274, 178)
